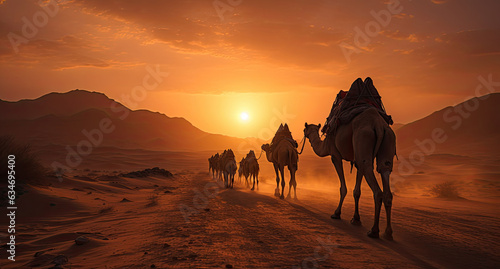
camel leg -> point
(290, 183)
(294, 182)
(337, 162)
(387, 199)
(357, 193)
(253, 187)
(363, 141)
(257, 178)
(385, 160)
(282, 172)
(367, 170)
(277, 190)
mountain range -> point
(469, 128)
(66, 118)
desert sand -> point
(169, 222)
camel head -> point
(266, 147)
(310, 129)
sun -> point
(244, 116)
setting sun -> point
(244, 116)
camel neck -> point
(318, 145)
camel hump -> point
(251, 154)
(361, 96)
(283, 134)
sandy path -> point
(246, 229)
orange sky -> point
(276, 60)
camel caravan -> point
(223, 166)
(357, 130)
(281, 152)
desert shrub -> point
(28, 169)
(448, 189)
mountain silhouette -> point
(62, 119)
(469, 128)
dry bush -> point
(28, 168)
(448, 189)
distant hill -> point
(61, 118)
(469, 128)
(58, 104)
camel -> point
(366, 137)
(229, 172)
(252, 168)
(284, 154)
(210, 163)
(220, 165)
(243, 171)
(213, 164)
(229, 168)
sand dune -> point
(138, 223)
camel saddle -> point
(347, 105)
(283, 133)
(250, 155)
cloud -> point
(280, 31)
(398, 35)
(64, 53)
(472, 42)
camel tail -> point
(379, 134)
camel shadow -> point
(356, 231)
